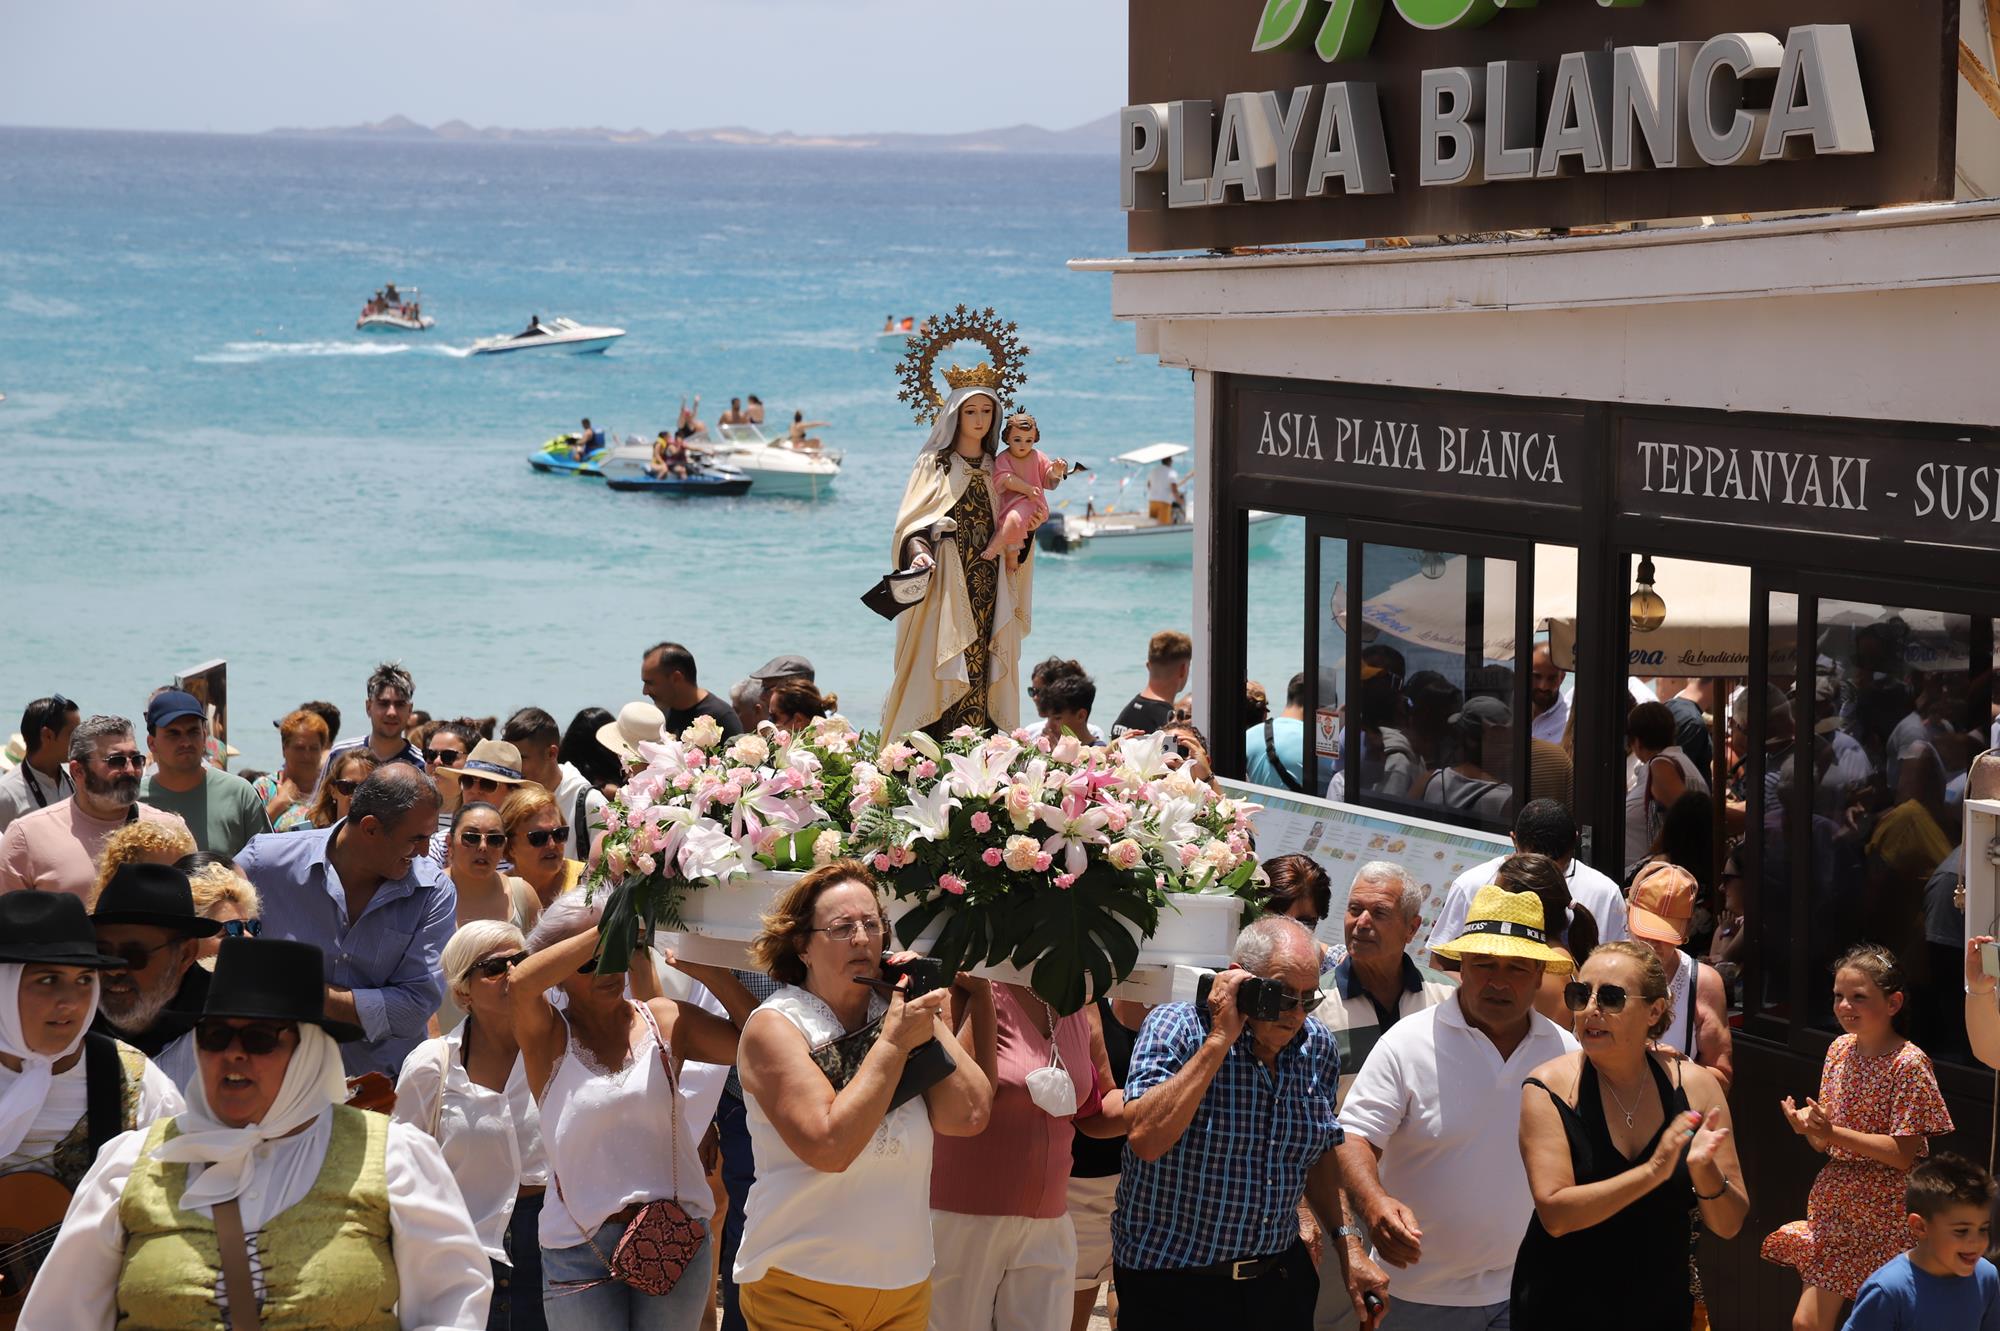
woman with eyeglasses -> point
(222, 893)
(469, 1090)
(287, 793)
(1620, 1143)
(837, 1230)
(606, 1073)
(536, 841)
(266, 1191)
(336, 793)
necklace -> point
(1628, 1111)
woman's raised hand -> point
(912, 1022)
(1976, 978)
(1674, 1138)
(1701, 1150)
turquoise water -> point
(200, 457)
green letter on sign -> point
(1346, 29)
(1434, 14)
(1285, 24)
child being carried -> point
(1020, 472)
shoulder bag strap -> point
(236, 1281)
(674, 1091)
(444, 1075)
(104, 1090)
(1277, 764)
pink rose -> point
(1124, 854)
(900, 856)
(982, 822)
(1022, 852)
(1063, 880)
(991, 855)
(1042, 862)
(881, 863)
(925, 770)
(952, 883)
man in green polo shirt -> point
(220, 810)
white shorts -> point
(1000, 1272)
(1091, 1201)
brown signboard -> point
(1460, 447)
(1882, 77)
(1832, 480)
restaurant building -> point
(1670, 342)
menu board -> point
(1343, 837)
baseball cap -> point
(1661, 903)
(170, 705)
(784, 667)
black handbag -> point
(924, 1067)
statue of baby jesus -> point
(1020, 472)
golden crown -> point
(981, 375)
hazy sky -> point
(825, 65)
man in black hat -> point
(145, 919)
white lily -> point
(929, 812)
(925, 745)
(1144, 754)
(1076, 826)
(979, 774)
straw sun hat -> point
(1505, 924)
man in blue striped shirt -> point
(1231, 1121)
(366, 893)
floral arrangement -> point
(1056, 857)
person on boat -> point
(754, 413)
(909, 324)
(690, 422)
(889, 324)
(390, 294)
(534, 326)
(1163, 492)
(797, 439)
(733, 416)
(670, 457)
(583, 445)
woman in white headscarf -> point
(49, 967)
(352, 1221)
(958, 650)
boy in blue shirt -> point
(1945, 1282)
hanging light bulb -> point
(1432, 565)
(1648, 610)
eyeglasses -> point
(848, 931)
(344, 786)
(215, 1037)
(119, 761)
(1310, 921)
(541, 836)
(489, 968)
(137, 956)
(448, 757)
(242, 928)
(1610, 997)
(495, 840)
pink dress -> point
(1855, 1219)
(1031, 469)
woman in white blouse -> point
(469, 1090)
(333, 1217)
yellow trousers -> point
(782, 1301)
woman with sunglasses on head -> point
(469, 1090)
(336, 793)
(1620, 1143)
(606, 1072)
(266, 1190)
(837, 1231)
(221, 893)
(536, 836)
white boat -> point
(778, 470)
(1115, 534)
(554, 335)
(405, 314)
(897, 340)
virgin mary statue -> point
(958, 651)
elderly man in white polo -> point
(1432, 1159)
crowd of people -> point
(1519, 1119)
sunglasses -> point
(344, 786)
(1610, 997)
(1303, 1002)
(449, 757)
(542, 836)
(215, 1037)
(478, 783)
(242, 928)
(118, 762)
(137, 956)
(491, 968)
(495, 840)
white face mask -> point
(1051, 1088)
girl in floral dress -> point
(1878, 1102)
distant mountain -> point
(1099, 136)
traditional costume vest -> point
(323, 1264)
(73, 1154)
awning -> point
(1147, 454)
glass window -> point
(1274, 655)
(1329, 724)
(1757, 789)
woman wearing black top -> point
(1620, 1143)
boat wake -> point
(252, 353)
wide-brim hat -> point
(494, 759)
(1660, 904)
(1505, 924)
(155, 894)
(273, 979)
(638, 723)
(49, 929)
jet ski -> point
(708, 480)
(558, 458)
(555, 335)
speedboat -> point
(555, 335)
(558, 457)
(1111, 534)
(897, 340)
(403, 315)
(780, 471)
(704, 479)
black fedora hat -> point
(50, 929)
(156, 894)
(273, 979)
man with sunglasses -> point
(367, 894)
(41, 779)
(55, 849)
(145, 917)
(1230, 1121)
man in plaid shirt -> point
(1230, 1122)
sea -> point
(201, 458)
